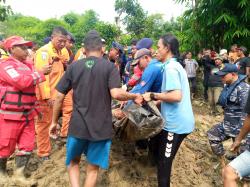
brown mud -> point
(194, 165)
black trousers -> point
(192, 83)
(164, 147)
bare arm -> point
(170, 96)
(56, 112)
(122, 95)
(243, 132)
(245, 129)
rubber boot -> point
(3, 164)
(3, 174)
(19, 177)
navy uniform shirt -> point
(234, 114)
(247, 110)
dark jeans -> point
(192, 83)
(205, 84)
(164, 147)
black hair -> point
(71, 37)
(172, 43)
(134, 41)
(244, 50)
(59, 30)
(93, 41)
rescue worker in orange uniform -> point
(80, 54)
(56, 54)
(18, 79)
(67, 102)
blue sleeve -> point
(148, 78)
(172, 80)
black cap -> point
(118, 46)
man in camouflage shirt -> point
(240, 166)
(232, 99)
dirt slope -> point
(194, 165)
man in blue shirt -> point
(152, 75)
(150, 82)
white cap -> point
(223, 51)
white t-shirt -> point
(190, 67)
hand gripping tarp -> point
(140, 122)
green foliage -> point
(108, 31)
(139, 24)
(36, 30)
(125, 39)
(217, 23)
(134, 16)
(5, 11)
(207, 23)
(22, 26)
(86, 22)
(71, 18)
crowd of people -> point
(40, 85)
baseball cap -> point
(228, 68)
(242, 48)
(223, 51)
(144, 43)
(47, 40)
(118, 46)
(16, 40)
(218, 57)
(140, 53)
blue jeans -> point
(241, 164)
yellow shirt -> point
(49, 55)
(79, 54)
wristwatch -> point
(152, 96)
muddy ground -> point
(194, 166)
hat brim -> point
(221, 73)
(26, 43)
(135, 62)
(218, 59)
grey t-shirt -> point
(91, 80)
